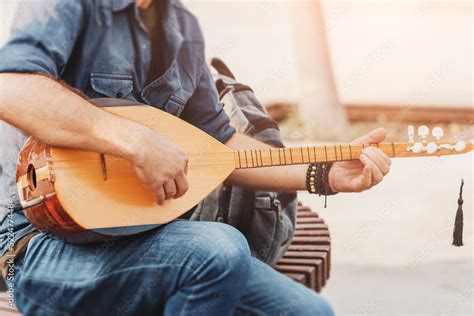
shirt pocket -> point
(112, 85)
(174, 105)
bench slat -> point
(309, 272)
(309, 220)
(310, 233)
(316, 263)
(298, 277)
(323, 256)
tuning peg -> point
(437, 133)
(417, 148)
(411, 134)
(460, 146)
(423, 131)
(431, 148)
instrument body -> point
(80, 205)
(48, 216)
(85, 197)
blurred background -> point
(332, 70)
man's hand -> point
(369, 170)
(161, 166)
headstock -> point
(435, 147)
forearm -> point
(49, 111)
(281, 178)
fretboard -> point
(256, 158)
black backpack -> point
(267, 219)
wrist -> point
(136, 143)
(332, 182)
(125, 139)
(318, 179)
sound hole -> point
(31, 176)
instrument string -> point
(340, 153)
(112, 159)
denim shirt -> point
(102, 48)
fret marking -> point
(251, 157)
(302, 156)
(271, 157)
(284, 154)
(393, 150)
(246, 159)
(279, 157)
(309, 156)
(261, 159)
(340, 149)
(315, 157)
(291, 157)
(326, 152)
(335, 152)
(350, 151)
(238, 153)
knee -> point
(315, 306)
(224, 250)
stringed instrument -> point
(83, 196)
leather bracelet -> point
(317, 181)
(323, 180)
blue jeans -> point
(183, 268)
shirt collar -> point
(118, 5)
(172, 28)
(172, 20)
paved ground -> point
(392, 252)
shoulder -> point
(28, 12)
(188, 22)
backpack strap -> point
(225, 79)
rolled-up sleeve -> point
(205, 111)
(43, 35)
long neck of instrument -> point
(257, 158)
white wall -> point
(7, 11)
(402, 52)
(416, 52)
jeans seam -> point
(92, 280)
(47, 308)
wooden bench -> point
(307, 260)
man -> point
(148, 51)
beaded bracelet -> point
(317, 181)
(311, 178)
